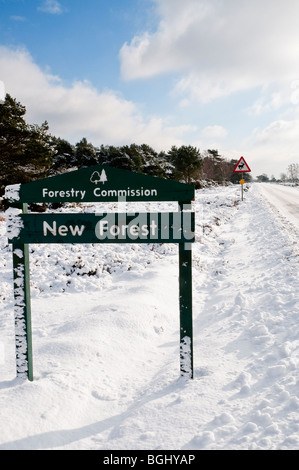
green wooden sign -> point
(100, 183)
(157, 227)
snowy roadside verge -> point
(283, 201)
(249, 322)
(106, 342)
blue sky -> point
(216, 74)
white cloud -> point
(218, 46)
(80, 110)
(295, 92)
(279, 134)
(271, 149)
(216, 132)
(203, 88)
(276, 97)
(51, 6)
(18, 18)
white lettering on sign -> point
(99, 192)
(135, 229)
(70, 193)
(62, 230)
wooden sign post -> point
(98, 184)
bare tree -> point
(293, 172)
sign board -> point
(98, 184)
(242, 181)
(242, 166)
(157, 227)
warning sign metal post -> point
(242, 167)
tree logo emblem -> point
(96, 177)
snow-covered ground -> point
(106, 331)
(284, 199)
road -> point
(285, 199)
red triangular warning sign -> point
(242, 167)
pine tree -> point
(187, 163)
(131, 157)
(38, 154)
(116, 157)
(86, 154)
(153, 162)
(65, 155)
(25, 150)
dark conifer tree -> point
(86, 153)
(65, 155)
(187, 163)
(25, 150)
